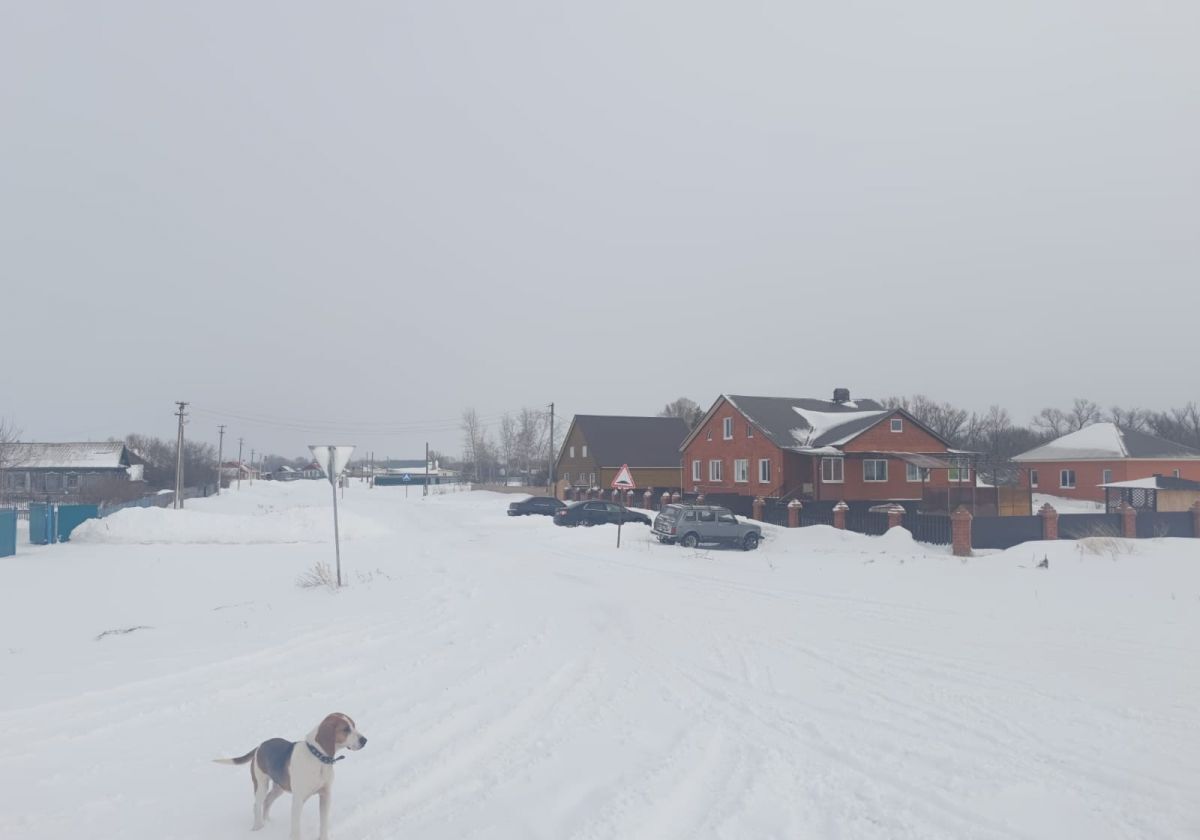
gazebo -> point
(1158, 493)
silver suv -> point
(691, 525)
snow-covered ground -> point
(518, 680)
(1065, 504)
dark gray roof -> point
(803, 422)
(1143, 445)
(636, 441)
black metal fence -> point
(865, 521)
(1004, 531)
(931, 528)
(1153, 524)
(1080, 526)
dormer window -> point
(897, 424)
(727, 428)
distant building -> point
(597, 446)
(70, 472)
(1076, 465)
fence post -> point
(794, 508)
(757, 508)
(628, 498)
(839, 515)
(1196, 519)
(960, 531)
(648, 500)
(700, 499)
(1128, 520)
(666, 500)
(676, 497)
(895, 516)
(1049, 522)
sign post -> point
(407, 479)
(622, 481)
(333, 460)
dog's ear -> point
(327, 734)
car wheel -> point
(587, 523)
(750, 543)
(689, 541)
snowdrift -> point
(145, 526)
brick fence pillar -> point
(666, 500)
(1049, 522)
(839, 515)
(700, 499)
(895, 516)
(628, 498)
(616, 496)
(960, 531)
(1128, 521)
(1196, 520)
(794, 508)
(676, 497)
(648, 500)
(758, 508)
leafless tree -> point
(472, 430)
(11, 455)
(1051, 422)
(1128, 419)
(949, 422)
(508, 443)
(691, 413)
(1181, 425)
(1083, 413)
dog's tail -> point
(241, 759)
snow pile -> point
(146, 526)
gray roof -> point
(105, 455)
(1104, 442)
(636, 441)
(806, 423)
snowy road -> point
(518, 680)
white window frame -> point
(1062, 474)
(909, 470)
(697, 470)
(749, 430)
(1033, 479)
(960, 473)
(592, 479)
(764, 475)
(875, 480)
(570, 451)
(837, 465)
(741, 470)
(716, 470)
(897, 424)
(708, 433)
(1175, 473)
(583, 451)
(727, 429)
(1106, 476)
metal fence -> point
(1080, 526)
(1004, 531)
(934, 528)
(1153, 524)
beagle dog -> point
(301, 768)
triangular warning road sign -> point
(624, 479)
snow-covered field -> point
(518, 680)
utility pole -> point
(251, 467)
(179, 456)
(550, 462)
(240, 441)
(220, 450)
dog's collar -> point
(321, 757)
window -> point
(696, 473)
(690, 516)
(571, 452)
(875, 469)
(708, 516)
(592, 479)
(727, 428)
(832, 470)
(53, 481)
(897, 424)
(708, 433)
(764, 471)
(584, 450)
(741, 470)
(960, 470)
(1106, 477)
(1033, 478)
(714, 470)
(73, 481)
(20, 480)
(726, 518)
(912, 472)
(749, 430)
(1066, 479)
(1175, 473)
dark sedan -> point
(540, 505)
(598, 513)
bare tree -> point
(1180, 425)
(949, 422)
(12, 455)
(472, 431)
(691, 413)
(508, 443)
(1052, 422)
(1083, 413)
(1128, 419)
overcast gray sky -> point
(363, 217)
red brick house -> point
(1076, 464)
(814, 449)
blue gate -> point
(50, 523)
(41, 523)
(8, 532)
(70, 516)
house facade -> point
(597, 446)
(1075, 465)
(69, 472)
(818, 450)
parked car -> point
(693, 525)
(541, 505)
(598, 513)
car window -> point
(728, 519)
(707, 516)
(690, 516)
(593, 506)
(614, 508)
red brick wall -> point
(1088, 474)
(881, 438)
(742, 446)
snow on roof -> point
(1099, 440)
(1142, 483)
(821, 423)
(66, 456)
